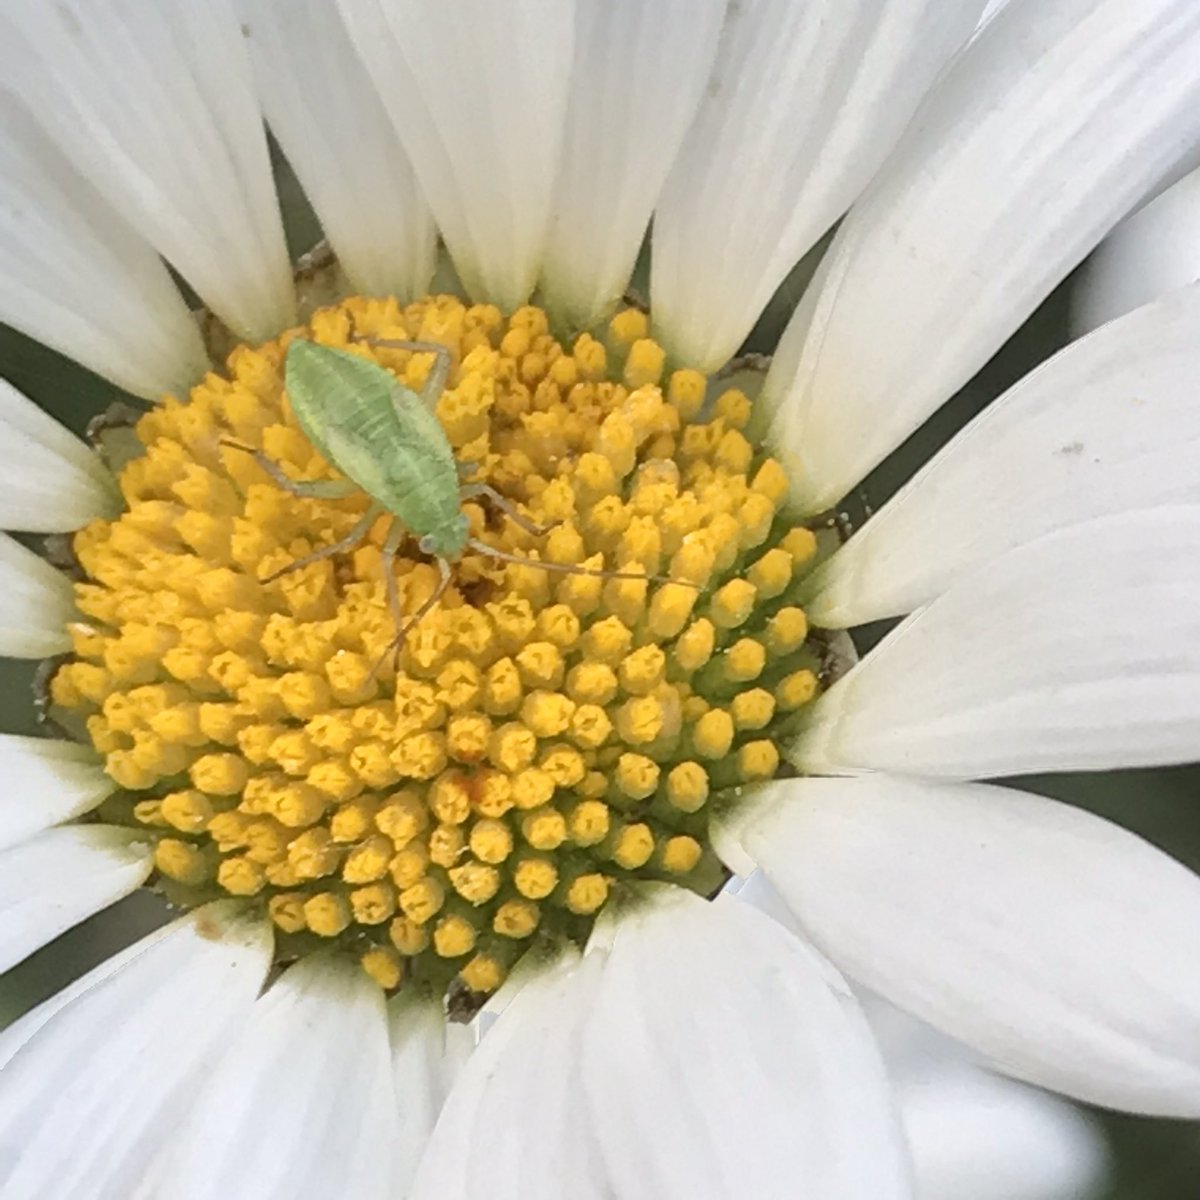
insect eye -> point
(426, 543)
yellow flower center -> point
(539, 737)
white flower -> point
(1045, 564)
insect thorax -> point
(449, 538)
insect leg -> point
(356, 535)
(470, 490)
(391, 546)
(435, 381)
(389, 576)
(314, 489)
(565, 569)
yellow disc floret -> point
(537, 737)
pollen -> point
(547, 731)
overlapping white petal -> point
(626, 119)
(477, 92)
(515, 1123)
(970, 1133)
(302, 1104)
(427, 1053)
(15, 1035)
(74, 275)
(61, 876)
(805, 103)
(1056, 121)
(1154, 251)
(1078, 651)
(1109, 424)
(332, 126)
(704, 1000)
(46, 782)
(54, 483)
(36, 602)
(599, 1078)
(154, 102)
(102, 1081)
(973, 1135)
(1052, 941)
(993, 7)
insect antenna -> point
(566, 569)
(435, 382)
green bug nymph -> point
(386, 439)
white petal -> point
(55, 484)
(61, 876)
(515, 1125)
(974, 1136)
(477, 92)
(15, 1035)
(1052, 941)
(424, 1062)
(46, 782)
(97, 1089)
(333, 128)
(155, 103)
(302, 1105)
(21, 1030)
(993, 7)
(912, 1049)
(1152, 252)
(36, 602)
(724, 1058)
(757, 890)
(620, 1057)
(1079, 651)
(75, 276)
(806, 102)
(1052, 124)
(626, 120)
(1109, 424)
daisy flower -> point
(532, 802)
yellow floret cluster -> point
(539, 737)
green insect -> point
(388, 443)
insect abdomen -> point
(425, 494)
